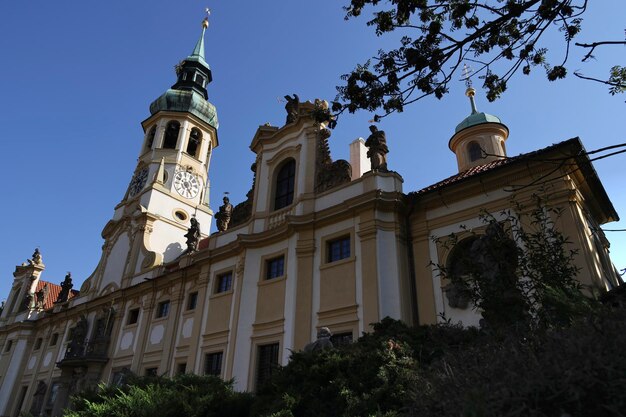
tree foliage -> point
(500, 38)
(185, 395)
(522, 273)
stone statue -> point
(76, 347)
(377, 149)
(322, 342)
(223, 216)
(193, 235)
(36, 260)
(27, 303)
(41, 296)
(66, 286)
(495, 257)
(293, 108)
(457, 296)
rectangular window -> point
(38, 343)
(267, 361)
(341, 339)
(8, 346)
(133, 316)
(54, 339)
(275, 267)
(163, 309)
(213, 363)
(192, 301)
(224, 282)
(181, 368)
(338, 249)
(151, 371)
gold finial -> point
(205, 22)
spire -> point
(198, 51)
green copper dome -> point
(189, 94)
(476, 119)
(188, 101)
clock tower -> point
(169, 186)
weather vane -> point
(467, 73)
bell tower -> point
(170, 184)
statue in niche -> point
(495, 256)
(223, 216)
(377, 149)
(66, 286)
(41, 296)
(323, 341)
(293, 108)
(36, 260)
(193, 235)
(76, 347)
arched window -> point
(457, 268)
(171, 135)
(475, 152)
(194, 141)
(150, 138)
(284, 184)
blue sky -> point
(77, 79)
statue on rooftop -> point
(223, 215)
(66, 286)
(193, 235)
(293, 108)
(36, 260)
(377, 149)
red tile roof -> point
(490, 166)
(53, 293)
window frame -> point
(192, 301)
(341, 241)
(284, 179)
(54, 339)
(159, 314)
(131, 315)
(165, 136)
(209, 368)
(218, 278)
(267, 269)
(261, 377)
(472, 148)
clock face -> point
(138, 182)
(186, 184)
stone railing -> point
(278, 217)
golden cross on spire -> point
(205, 22)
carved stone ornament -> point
(456, 296)
(36, 259)
(329, 174)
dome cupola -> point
(479, 138)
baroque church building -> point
(317, 243)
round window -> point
(181, 215)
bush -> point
(186, 395)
